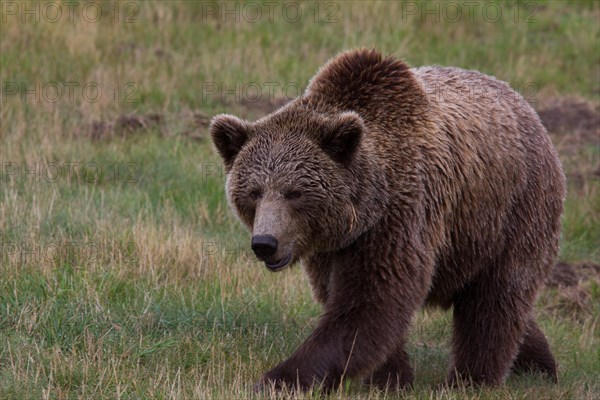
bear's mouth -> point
(279, 265)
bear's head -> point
(299, 180)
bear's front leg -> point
(366, 316)
(313, 364)
(395, 374)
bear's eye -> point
(293, 195)
(255, 194)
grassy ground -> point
(123, 273)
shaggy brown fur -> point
(396, 188)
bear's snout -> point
(272, 235)
(264, 246)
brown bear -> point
(397, 188)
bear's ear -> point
(342, 137)
(229, 134)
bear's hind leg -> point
(395, 374)
(490, 318)
(534, 353)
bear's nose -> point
(264, 246)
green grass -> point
(130, 278)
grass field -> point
(123, 273)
